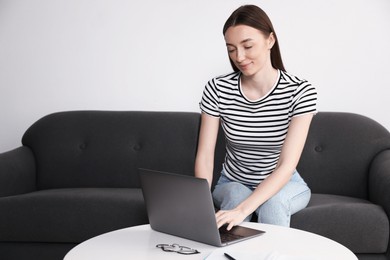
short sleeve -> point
(304, 100)
(209, 103)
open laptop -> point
(182, 205)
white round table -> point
(140, 242)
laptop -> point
(182, 206)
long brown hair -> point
(254, 16)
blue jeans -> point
(293, 197)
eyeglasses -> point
(178, 249)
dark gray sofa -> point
(75, 176)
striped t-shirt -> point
(255, 130)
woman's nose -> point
(240, 55)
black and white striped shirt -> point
(255, 130)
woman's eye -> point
(231, 50)
(247, 47)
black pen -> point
(229, 256)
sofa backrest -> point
(106, 148)
(338, 153)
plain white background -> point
(58, 55)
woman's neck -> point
(258, 85)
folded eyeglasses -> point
(184, 250)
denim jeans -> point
(294, 196)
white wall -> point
(157, 55)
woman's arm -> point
(288, 161)
(204, 162)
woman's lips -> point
(244, 66)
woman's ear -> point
(271, 40)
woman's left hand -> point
(231, 218)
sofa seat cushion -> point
(69, 215)
(358, 224)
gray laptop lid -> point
(182, 206)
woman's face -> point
(249, 48)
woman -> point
(265, 114)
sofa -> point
(75, 176)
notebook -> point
(182, 206)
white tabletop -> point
(279, 243)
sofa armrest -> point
(379, 180)
(17, 172)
